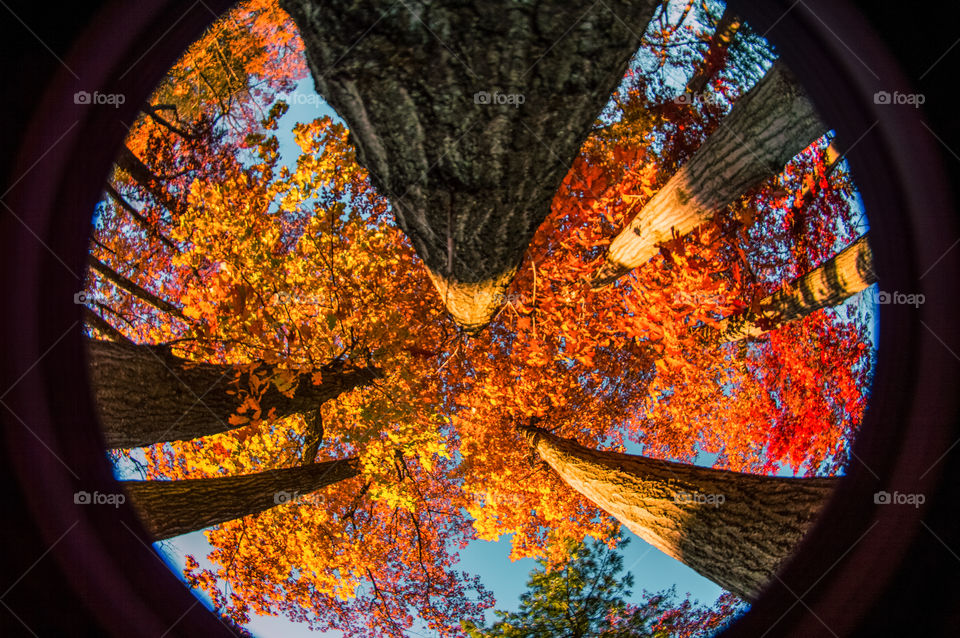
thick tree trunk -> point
(146, 395)
(735, 529)
(834, 281)
(726, 29)
(171, 508)
(767, 127)
(468, 117)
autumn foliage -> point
(284, 254)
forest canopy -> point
(258, 309)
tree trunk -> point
(767, 127)
(726, 29)
(834, 281)
(468, 117)
(146, 395)
(735, 529)
(171, 508)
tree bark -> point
(834, 281)
(468, 117)
(171, 508)
(735, 529)
(727, 27)
(146, 395)
(767, 127)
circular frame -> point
(846, 573)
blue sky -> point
(652, 569)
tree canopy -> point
(584, 595)
(261, 274)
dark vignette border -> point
(867, 570)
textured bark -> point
(171, 508)
(469, 182)
(472, 305)
(834, 281)
(726, 29)
(738, 543)
(767, 127)
(146, 395)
